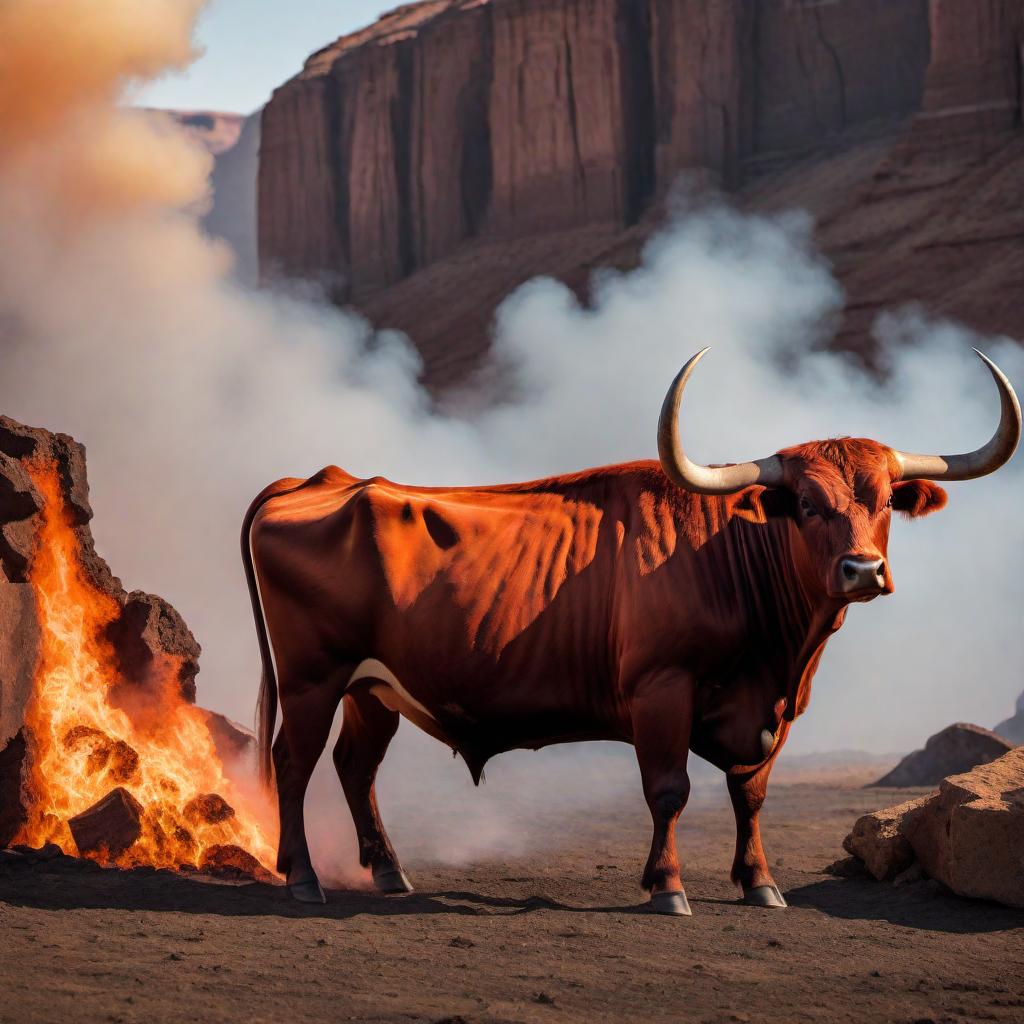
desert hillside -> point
(419, 168)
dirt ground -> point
(561, 934)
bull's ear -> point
(758, 504)
(918, 498)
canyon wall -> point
(527, 136)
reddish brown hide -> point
(609, 604)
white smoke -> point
(121, 326)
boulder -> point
(110, 826)
(958, 748)
(1012, 729)
(878, 841)
(969, 835)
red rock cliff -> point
(526, 136)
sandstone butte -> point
(421, 168)
(969, 835)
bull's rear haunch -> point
(673, 606)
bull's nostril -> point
(849, 571)
(880, 570)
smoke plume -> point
(119, 323)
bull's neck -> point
(786, 618)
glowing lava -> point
(85, 746)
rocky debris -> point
(12, 803)
(878, 842)
(209, 809)
(147, 632)
(417, 154)
(232, 862)
(110, 826)
(234, 743)
(969, 836)
(958, 748)
(1012, 729)
(115, 757)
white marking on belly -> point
(371, 668)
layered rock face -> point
(454, 119)
(234, 142)
(502, 140)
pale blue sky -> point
(252, 46)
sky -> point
(252, 46)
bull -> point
(674, 606)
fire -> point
(86, 747)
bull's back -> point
(475, 598)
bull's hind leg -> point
(366, 730)
(662, 713)
(750, 866)
(307, 715)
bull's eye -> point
(807, 509)
(888, 504)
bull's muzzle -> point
(862, 577)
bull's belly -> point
(474, 729)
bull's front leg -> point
(750, 866)
(661, 709)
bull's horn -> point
(985, 460)
(705, 479)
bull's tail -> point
(266, 705)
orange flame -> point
(84, 746)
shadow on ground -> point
(43, 887)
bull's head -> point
(840, 494)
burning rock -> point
(958, 748)
(109, 827)
(233, 862)
(100, 742)
(210, 808)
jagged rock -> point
(958, 748)
(146, 632)
(13, 757)
(1012, 729)
(234, 743)
(230, 861)
(110, 826)
(969, 836)
(208, 809)
(148, 629)
(878, 841)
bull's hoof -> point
(307, 892)
(674, 903)
(764, 896)
(392, 882)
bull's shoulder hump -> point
(310, 500)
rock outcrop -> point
(957, 748)
(234, 142)
(969, 835)
(147, 629)
(1012, 729)
(470, 140)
